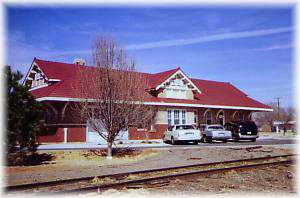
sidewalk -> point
(126, 143)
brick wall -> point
(77, 134)
(51, 134)
(139, 134)
(56, 134)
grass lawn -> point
(279, 134)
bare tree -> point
(268, 118)
(147, 117)
(287, 116)
(112, 92)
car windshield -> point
(185, 127)
(216, 128)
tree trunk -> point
(147, 137)
(109, 150)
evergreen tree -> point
(23, 114)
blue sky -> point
(250, 47)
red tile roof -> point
(212, 92)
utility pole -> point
(278, 114)
(278, 105)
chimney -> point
(79, 61)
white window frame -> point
(175, 117)
(169, 112)
(182, 116)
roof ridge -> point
(211, 80)
(175, 69)
(93, 66)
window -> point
(176, 116)
(181, 127)
(183, 117)
(195, 117)
(169, 117)
(216, 128)
(208, 118)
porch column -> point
(65, 135)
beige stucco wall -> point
(189, 94)
(162, 94)
(161, 116)
(190, 117)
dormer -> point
(177, 86)
(36, 78)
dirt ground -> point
(83, 163)
(273, 179)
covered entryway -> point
(92, 136)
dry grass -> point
(98, 157)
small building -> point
(180, 100)
(280, 126)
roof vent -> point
(79, 61)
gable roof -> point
(213, 94)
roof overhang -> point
(160, 104)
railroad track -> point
(153, 177)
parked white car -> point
(215, 132)
(182, 133)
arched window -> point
(208, 117)
(221, 118)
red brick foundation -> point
(140, 134)
(56, 134)
(52, 134)
(77, 134)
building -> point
(179, 98)
(280, 126)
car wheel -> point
(224, 141)
(172, 141)
(253, 140)
(195, 142)
(235, 139)
(208, 139)
(164, 140)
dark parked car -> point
(242, 130)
